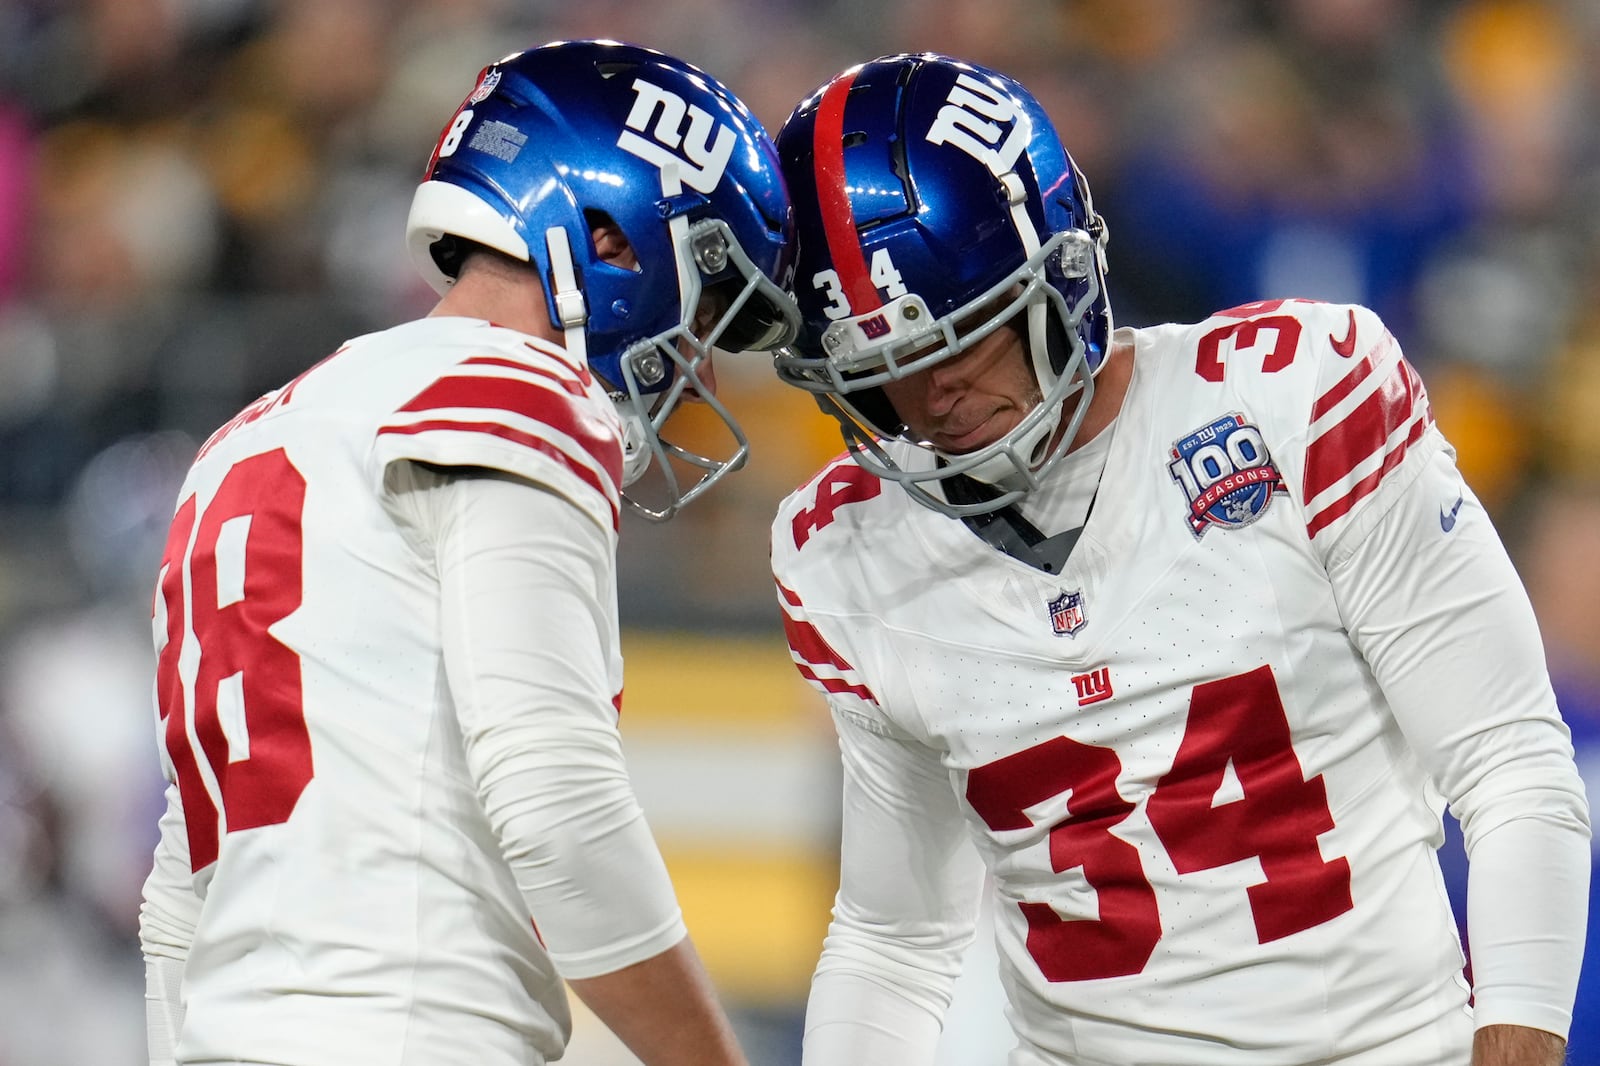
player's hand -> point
(1517, 1045)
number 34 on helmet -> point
(935, 204)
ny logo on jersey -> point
(691, 154)
(1093, 686)
(974, 120)
(1066, 614)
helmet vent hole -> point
(612, 69)
(611, 243)
(853, 139)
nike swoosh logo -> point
(1447, 519)
(1346, 347)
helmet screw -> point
(711, 253)
(650, 368)
(832, 342)
(911, 313)
(620, 308)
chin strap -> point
(573, 314)
(570, 308)
(1008, 531)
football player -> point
(1183, 634)
(388, 665)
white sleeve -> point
(1432, 600)
(909, 882)
(163, 1009)
(530, 647)
(167, 917)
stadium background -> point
(198, 198)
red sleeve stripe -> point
(811, 650)
(572, 387)
(1334, 454)
(834, 684)
(1346, 385)
(806, 642)
(1364, 488)
(527, 440)
(501, 395)
(833, 195)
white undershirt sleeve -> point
(906, 910)
(529, 630)
(1441, 616)
(167, 917)
(163, 1009)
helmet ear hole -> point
(1057, 345)
(449, 253)
(610, 240)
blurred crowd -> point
(200, 198)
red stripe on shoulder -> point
(571, 386)
(526, 440)
(1364, 431)
(527, 400)
(1365, 487)
(1347, 384)
(579, 368)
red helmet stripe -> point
(833, 196)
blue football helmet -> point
(556, 140)
(934, 204)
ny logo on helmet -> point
(689, 156)
(975, 117)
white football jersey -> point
(356, 904)
(1210, 839)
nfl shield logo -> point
(1066, 614)
(485, 87)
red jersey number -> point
(1245, 335)
(840, 484)
(1121, 940)
(244, 575)
(1237, 720)
(1241, 721)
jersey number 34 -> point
(1238, 720)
